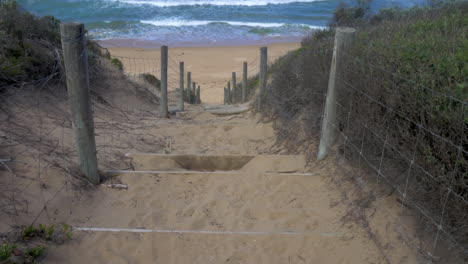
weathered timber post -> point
(76, 68)
(198, 95)
(225, 96)
(181, 76)
(343, 39)
(188, 92)
(194, 92)
(229, 92)
(244, 82)
(164, 58)
(263, 73)
(234, 88)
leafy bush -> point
(350, 16)
(47, 231)
(36, 252)
(117, 63)
(6, 250)
(30, 48)
(28, 45)
(151, 79)
(413, 64)
(67, 230)
(28, 232)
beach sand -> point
(211, 67)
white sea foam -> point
(175, 23)
(172, 3)
(181, 23)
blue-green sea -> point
(197, 21)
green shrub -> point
(28, 232)
(117, 63)
(29, 45)
(6, 250)
(46, 231)
(36, 252)
(151, 79)
(350, 16)
(67, 230)
(415, 63)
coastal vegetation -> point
(28, 46)
(117, 63)
(30, 49)
(413, 64)
(27, 245)
(151, 79)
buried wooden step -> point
(251, 163)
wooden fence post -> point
(229, 92)
(76, 68)
(188, 93)
(194, 92)
(181, 76)
(263, 73)
(225, 96)
(164, 58)
(234, 88)
(244, 82)
(343, 39)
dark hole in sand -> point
(212, 163)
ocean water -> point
(197, 21)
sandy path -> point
(242, 216)
(247, 200)
(261, 212)
(233, 206)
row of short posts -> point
(191, 92)
(234, 93)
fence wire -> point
(253, 71)
(36, 137)
(395, 149)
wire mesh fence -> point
(36, 137)
(410, 135)
(413, 139)
(33, 144)
(233, 94)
